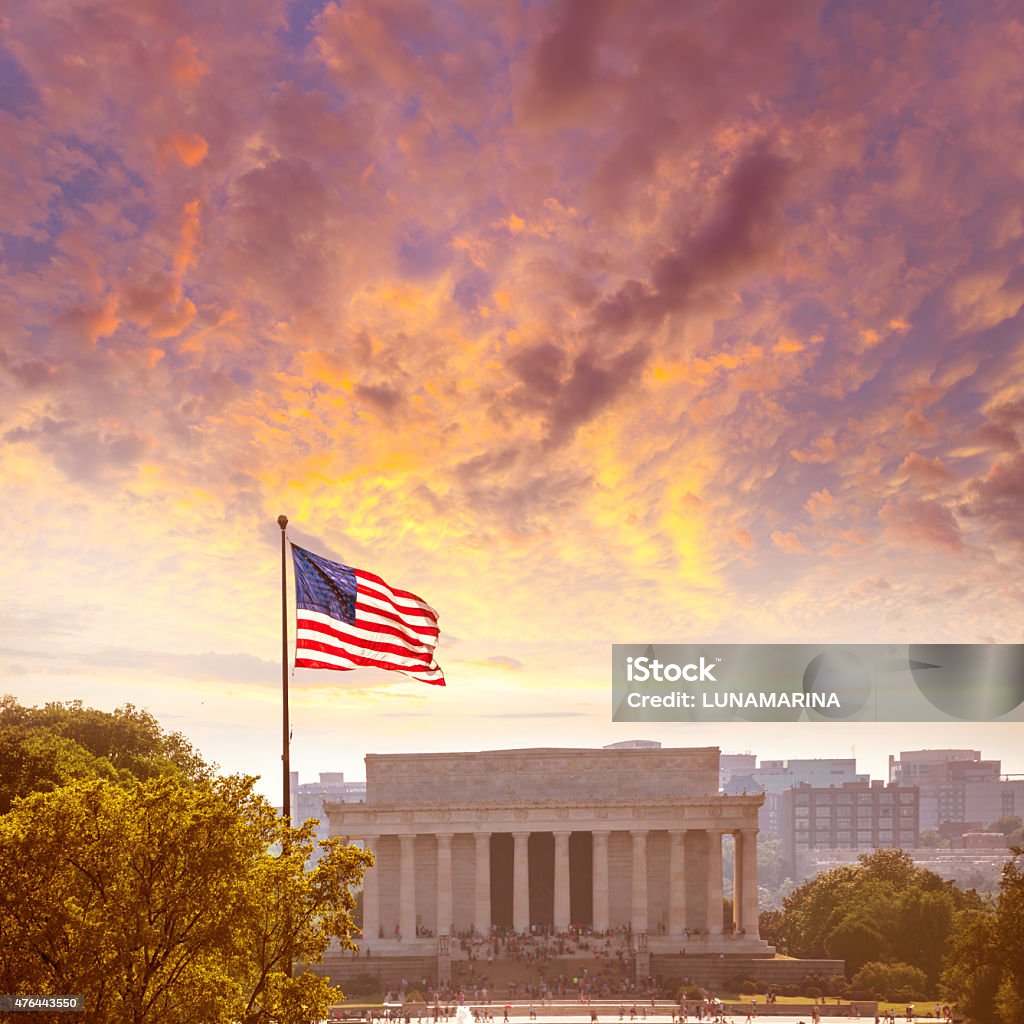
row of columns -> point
(745, 905)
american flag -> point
(348, 618)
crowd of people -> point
(542, 945)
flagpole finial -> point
(282, 521)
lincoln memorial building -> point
(553, 838)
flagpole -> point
(286, 789)
(286, 801)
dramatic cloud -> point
(589, 320)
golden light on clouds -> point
(575, 337)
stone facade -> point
(552, 838)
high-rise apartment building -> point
(958, 786)
(853, 816)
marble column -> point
(482, 898)
(737, 881)
(444, 883)
(639, 881)
(714, 925)
(407, 888)
(750, 902)
(677, 882)
(599, 854)
(561, 907)
(371, 894)
(521, 882)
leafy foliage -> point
(973, 969)
(894, 982)
(44, 748)
(1012, 827)
(160, 892)
(163, 901)
(883, 909)
(984, 972)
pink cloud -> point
(821, 504)
(788, 542)
(928, 471)
(998, 498)
(922, 524)
(824, 449)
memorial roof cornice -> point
(726, 814)
(737, 802)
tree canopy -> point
(984, 969)
(881, 910)
(44, 748)
(157, 890)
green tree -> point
(930, 839)
(895, 982)
(1012, 827)
(857, 940)
(984, 971)
(813, 910)
(881, 909)
(161, 900)
(973, 971)
(1010, 936)
(42, 749)
(770, 927)
(922, 923)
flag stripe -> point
(417, 616)
(383, 614)
(351, 661)
(347, 652)
(375, 581)
(320, 640)
(421, 609)
(363, 628)
(434, 678)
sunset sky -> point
(592, 321)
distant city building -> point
(307, 799)
(735, 764)
(958, 786)
(773, 778)
(980, 841)
(855, 816)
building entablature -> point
(725, 814)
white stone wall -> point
(511, 776)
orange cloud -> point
(189, 148)
(786, 345)
(821, 504)
(743, 538)
(186, 67)
(185, 253)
